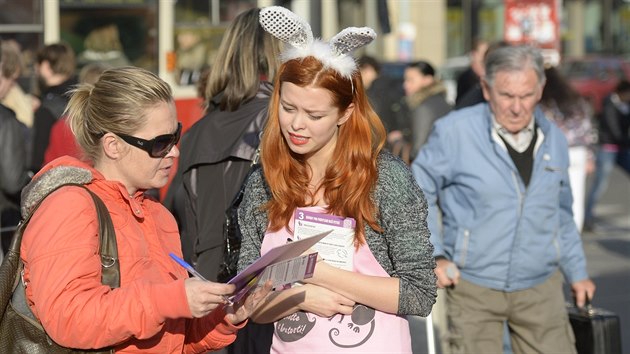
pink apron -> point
(365, 331)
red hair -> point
(351, 173)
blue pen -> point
(195, 273)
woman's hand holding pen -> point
(205, 296)
(240, 311)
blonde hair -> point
(246, 52)
(117, 103)
(11, 60)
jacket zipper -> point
(518, 192)
(557, 247)
(464, 251)
(520, 213)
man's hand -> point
(394, 136)
(447, 273)
(581, 290)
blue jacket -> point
(500, 234)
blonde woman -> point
(127, 127)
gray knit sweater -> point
(402, 249)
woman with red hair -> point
(322, 152)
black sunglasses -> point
(156, 147)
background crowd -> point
(486, 163)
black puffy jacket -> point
(13, 167)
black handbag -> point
(20, 331)
(596, 330)
(231, 233)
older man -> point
(498, 172)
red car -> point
(595, 77)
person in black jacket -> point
(614, 146)
(471, 77)
(217, 151)
(13, 171)
(384, 92)
(56, 66)
(474, 94)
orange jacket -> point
(149, 313)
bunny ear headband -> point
(290, 28)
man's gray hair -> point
(514, 58)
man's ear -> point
(112, 147)
(485, 87)
(541, 89)
(346, 115)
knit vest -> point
(524, 161)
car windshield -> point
(588, 69)
(578, 70)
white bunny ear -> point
(290, 28)
(286, 26)
(351, 38)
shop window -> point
(115, 32)
(199, 28)
(23, 25)
(21, 13)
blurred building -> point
(586, 26)
(156, 33)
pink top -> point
(365, 331)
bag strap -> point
(256, 158)
(108, 251)
(253, 167)
(108, 248)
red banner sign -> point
(532, 22)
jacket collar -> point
(417, 98)
(71, 166)
(264, 90)
(539, 117)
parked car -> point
(595, 77)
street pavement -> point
(607, 249)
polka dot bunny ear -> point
(352, 38)
(286, 26)
(292, 29)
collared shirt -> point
(519, 141)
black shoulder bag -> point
(20, 331)
(231, 233)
